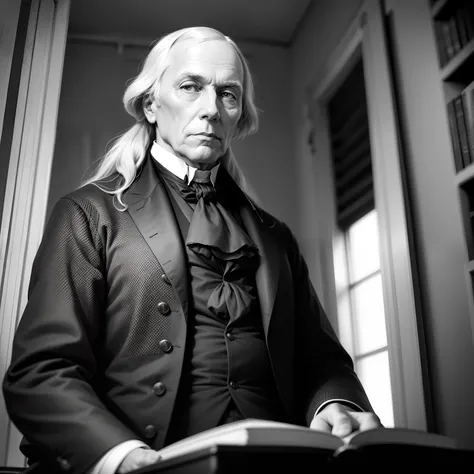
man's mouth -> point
(209, 135)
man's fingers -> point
(338, 424)
(366, 420)
(320, 424)
(342, 424)
(342, 421)
(137, 458)
(150, 456)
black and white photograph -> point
(237, 236)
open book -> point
(253, 432)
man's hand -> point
(341, 421)
(138, 458)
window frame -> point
(351, 285)
(366, 37)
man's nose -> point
(209, 105)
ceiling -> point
(262, 21)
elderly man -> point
(163, 300)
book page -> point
(400, 436)
(253, 432)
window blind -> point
(350, 145)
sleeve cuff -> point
(339, 400)
(112, 459)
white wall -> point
(320, 33)
(268, 158)
(91, 114)
(90, 111)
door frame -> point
(366, 37)
(28, 178)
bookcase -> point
(453, 23)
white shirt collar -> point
(176, 165)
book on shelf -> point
(461, 126)
(254, 432)
(467, 96)
(454, 134)
(462, 130)
(454, 29)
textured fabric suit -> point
(112, 287)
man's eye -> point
(190, 87)
(228, 95)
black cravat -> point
(202, 187)
(217, 238)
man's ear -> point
(149, 108)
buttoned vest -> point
(227, 365)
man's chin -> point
(207, 157)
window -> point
(367, 315)
(355, 140)
(361, 311)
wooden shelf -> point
(461, 65)
(465, 175)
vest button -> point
(165, 345)
(234, 385)
(164, 308)
(159, 389)
(150, 431)
(165, 278)
(64, 464)
(230, 336)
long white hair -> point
(129, 150)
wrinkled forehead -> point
(208, 55)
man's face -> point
(200, 101)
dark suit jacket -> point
(87, 352)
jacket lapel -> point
(267, 275)
(151, 210)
